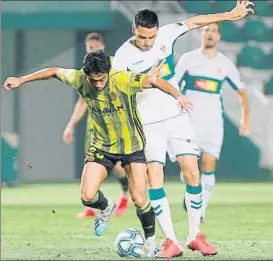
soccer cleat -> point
(87, 212)
(151, 247)
(102, 218)
(169, 250)
(122, 206)
(200, 244)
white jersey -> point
(154, 105)
(201, 80)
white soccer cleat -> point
(151, 247)
(102, 218)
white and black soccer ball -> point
(130, 243)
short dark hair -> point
(146, 18)
(95, 37)
(96, 62)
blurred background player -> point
(201, 74)
(164, 121)
(93, 42)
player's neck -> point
(209, 52)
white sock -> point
(208, 184)
(193, 199)
(162, 211)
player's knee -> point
(140, 200)
(192, 177)
(87, 196)
(155, 175)
(209, 163)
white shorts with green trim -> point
(175, 136)
(210, 135)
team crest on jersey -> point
(113, 96)
(163, 48)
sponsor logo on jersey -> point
(107, 111)
(134, 64)
(208, 85)
(137, 77)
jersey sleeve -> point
(119, 61)
(128, 82)
(181, 71)
(71, 77)
(175, 30)
(233, 77)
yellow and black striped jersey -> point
(117, 127)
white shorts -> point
(209, 135)
(175, 136)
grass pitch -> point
(39, 223)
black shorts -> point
(109, 160)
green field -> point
(239, 223)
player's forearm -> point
(78, 113)
(43, 74)
(244, 105)
(166, 87)
(202, 20)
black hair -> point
(146, 18)
(95, 37)
(96, 62)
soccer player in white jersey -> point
(166, 126)
(201, 74)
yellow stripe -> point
(136, 118)
(98, 145)
(125, 132)
(112, 135)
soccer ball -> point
(130, 243)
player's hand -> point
(184, 102)
(245, 128)
(157, 70)
(241, 9)
(12, 82)
(68, 135)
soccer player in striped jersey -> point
(168, 128)
(117, 132)
(93, 42)
(201, 74)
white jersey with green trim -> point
(201, 79)
(154, 105)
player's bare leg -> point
(137, 176)
(207, 180)
(93, 176)
(170, 247)
(123, 201)
(193, 200)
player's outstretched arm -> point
(245, 118)
(152, 81)
(44, 74)
(241, 9)
(78, 113)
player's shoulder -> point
(116, 75)
(124, 48)
(189, 56)
(225, 59)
